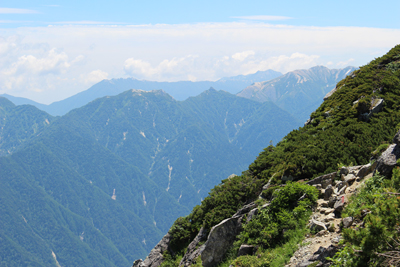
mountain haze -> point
(179, 90)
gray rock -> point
(231, 176)
(322, 253)
(349, 178)
(342, 190)
(155, 258)
(137, 263)
(251, 214)
(324, 180)
(396, 138)
(364, 171)
(387, 160)
(328, 192)
(332, 201)
(330, 93)
(246, 250)
(245, 209)
(219, 240)
(347, 222)
(339, 205)
(317, 225)
(376, 105)
(193, 251)
(340, 185)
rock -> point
(324, 180)
(251, 214)
(317, 225)
(344, 171)
(343, 190)
(376, 105)
(322, 253)
(137, 263)
(329, 211)
(246, 250)
(332, 201)
(193, 251)
(330, 93)
(336, 240)
(155, 258)
(340, 185)
(349, 178)
(339, 205)
(219, 240)
(322, 203)
(328, 192)
(245, 209)
(330, 217)
(347, 222)
(231, 176)
(322, 232)
(396, 138)
(387, 160)
(364, 171)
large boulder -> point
(219, 240)
(388, 160)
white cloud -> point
(243, 55)
(63, 60)
(95, 76)
(262, 17)
(174, 69)
(53, 62)
(342, 64)
(4, 10)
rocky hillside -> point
(264, 212)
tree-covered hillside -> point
(85, 188)
(362, 114)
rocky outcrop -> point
(219, 240)
(375, 106)
(388, 160)
(155, 258)
(194, 250)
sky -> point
(53, 49)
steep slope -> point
(179, 90)
(360, 115)
(299, 92)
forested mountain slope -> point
(362, 114)
(84, 188)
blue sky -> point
(50, 50)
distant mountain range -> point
(299, 92)
(179, 90)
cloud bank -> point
(50, 63)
